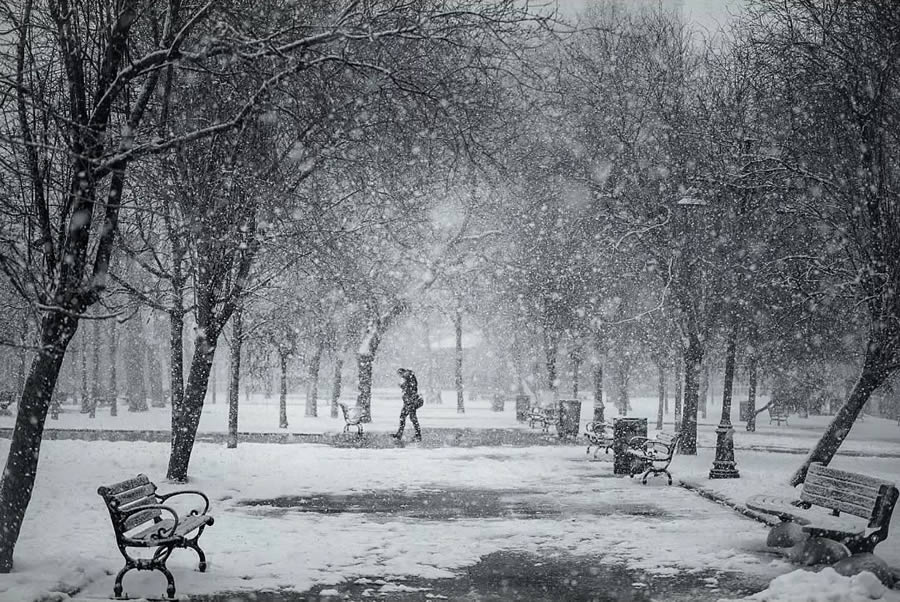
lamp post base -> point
(724, 466)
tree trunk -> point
(85, 394)
(751, 393)
(661, 372)
(282, 399)
(679, 386)
(95, 361)
(622, 383)
(364, 400)
(17, 482)
(113, 378)
(213, 385)
(458, 372)
(599, 407)
(176, 361)
(576, 368)
(186, 418)
(154, 374)
(874, 372)
(237, 340)
(336, 385)
(551, 348)
(693, 357)
(23, 359)
(728, 385)
(312, 385)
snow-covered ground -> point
(562, 503)
(873, 436)
(66, 542)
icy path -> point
(544, 502)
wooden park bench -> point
(653, 455)
(599, 436)
(141, 520)
(352, 417)
(828, 489)
(778, 414)
(542, 416)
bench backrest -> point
(778, 410)
(351, 415)
(128, 495)
(856, 494)
(665, 442)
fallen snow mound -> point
(825, 586)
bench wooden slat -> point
(126, 497)
(864, 499)
(185, 526)
(117, 488)
(859, 480)
(144, 501)
(139, 518)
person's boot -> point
(397, 436)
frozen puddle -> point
(511, 575)
(449, 504)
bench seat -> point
(151, 536)
(811, 519)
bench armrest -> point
(163, 532)
(638, 442)
(165, 497)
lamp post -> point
(724, 466)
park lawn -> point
(67, 543)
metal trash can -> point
(498, 402)
(744, 413)
(523, 406)
(569, 418)
(599, 413)
(623, 430)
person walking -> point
(412, 401)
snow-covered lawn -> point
(577, 507)
(871, 436)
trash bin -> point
(569, 418)
(497, 403)
(744, 413)
(599, 413)
(523, 405)
(623, 430)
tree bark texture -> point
(113, 359)
(679, 387)
(751, 393)
(282, 398)
(17, 482)
(336, 383)
(312, 385)
(186, 417)
(874, 372)
(458, 370)
(693, 358)
(237, 341)
(661, 373)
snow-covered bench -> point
(542, 416)
(352, 417)
(828, 489)
(599, 436)
(653, 455)
(141, 520)
(778, 414)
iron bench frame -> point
(351, 420)
(653, 455)
(137, 497)
(596, 434)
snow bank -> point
(825, 586)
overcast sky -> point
(705, 14)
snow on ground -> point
(67, 544)
(825, 586)
(872, 436)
